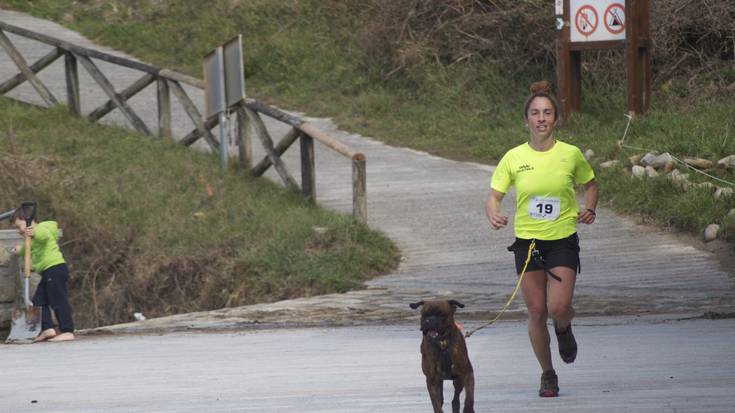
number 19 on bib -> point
(544, 208)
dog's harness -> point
(445, 355)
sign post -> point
(225, 87)
(603, 24)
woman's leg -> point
(562, 312)
(534, 294)
(560, 296)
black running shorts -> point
(556, 253)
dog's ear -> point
(456, 303)
(416, 305)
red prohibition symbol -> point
(615, 18)
(586, 20)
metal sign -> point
(224, 79)
(597, 20)
(215, 101)
(224, 76)
(614, 18)
(234, 72)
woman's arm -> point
(591, 195)
(492, 210)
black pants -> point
(50, 294)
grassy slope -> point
(142, 233)
(303, 54)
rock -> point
(635, 159)
(609, 164)
(648, 159)
(7, 285)
(669, 166)
(320, 230)
(731, 213)
(5, 256)
(707, 185)
(723, 192)
(678, 177)
(139, 316)
(710, 233)
(651, 172)
(589, 154)
(698, 163)
(638, 171)
(662, 160)
(727, 162)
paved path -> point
(622, 366)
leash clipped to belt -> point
(531, 249)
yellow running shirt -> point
(45, 251)
(546, 204)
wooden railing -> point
(248, 112)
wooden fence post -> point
(164, 109)
(72, 84)
(359, 188)
(308, 172)
(20, 62)
(244, 138)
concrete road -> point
(624, 364)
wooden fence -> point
(168, 82)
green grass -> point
(305, 54)
(141, 232)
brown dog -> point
(444, 354)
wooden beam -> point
(78, 50)
(575, 87)
(288, 139)
(195, 134)
(36, 67)
(646, 45)
(262, 133)
(274, 113)
(327, 140)
(119, 101)
(164, 108)
(71, 72)
(563, 67)
(191, 110)
(632, 56)
(359, 188)
(244, 139)
(308, 171)
(126, 94)
(19, 61)
(182, 78)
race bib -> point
(544, 208)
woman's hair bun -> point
(542, 86)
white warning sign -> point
(597, 20)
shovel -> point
(26, 320)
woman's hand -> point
(591, 194)
(492, 210)
(498, 220)
(586, 216)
